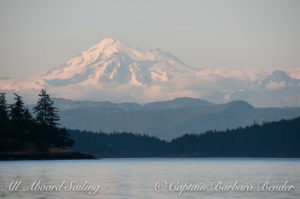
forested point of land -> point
(24, 136)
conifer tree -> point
(3, 109)
(17, 110)
(46, 113)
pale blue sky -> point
(37, 35)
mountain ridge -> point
(65, 104)
(170, 122)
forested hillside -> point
(275, 139)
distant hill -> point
(176, 103)
(166, 119)
(64, 104)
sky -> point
(38, 35)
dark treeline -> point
(19, 129)
(274, 139)
(117, 144)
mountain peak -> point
(279, 80)
(111, 41)
(109, 46)
(107, 42)
(279, 75)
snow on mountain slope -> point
(118, 71)
(111, 70)
(276, 89)
(279, 79)
(116, 61)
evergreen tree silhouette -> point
(17, 110)
(46, 113)
(3, 109)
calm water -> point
(149, 178)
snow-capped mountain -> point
(113, 70)
(279, 79)
(114, 61)
(276, 89)
(118, 71)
